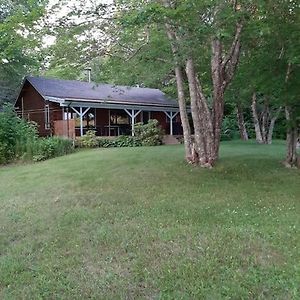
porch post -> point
(171, 123)
(81, 122)
(68, 126)
(171, 115)
(81, 114)
(132, 115)
(109, 122)
(132, 122)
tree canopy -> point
(19, 43)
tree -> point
(18, 42)
(264, 119)
(214, 30)
(277, 60)
(81, 35)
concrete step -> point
(170, 140)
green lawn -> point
(138, 223)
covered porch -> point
(117, 119)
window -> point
(119, 117)
(47, 117)
(88, 120)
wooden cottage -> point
(70, 108)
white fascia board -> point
(76, 103)
(54, 99)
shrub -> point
(230, 129)
(15, 133)
(19, 140)
(127, 141)
(45, 148)
(120, 141)
(105, 143)
(89, 140)
(146, 135)
(149, 134)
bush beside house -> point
(149, 134)
(19, 140)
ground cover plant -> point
(139, 223)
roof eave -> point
(111, 104)
(20, 90)
(120, 105)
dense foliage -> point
(20, 43)
(90, 140)
(19, 140)
(149, 134)
(120, 141)
(15, 135)
(46, 148)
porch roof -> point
(78, 93)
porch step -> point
(170, 140)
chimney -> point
(89, 70)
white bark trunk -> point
(257, 128)
(292, 160)
(188, 144)
(204, 137)
(272, 125)
(241, 123)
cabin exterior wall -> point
(32, 106)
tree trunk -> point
(188, 144)
(264, 123)
(241, 123)
(256, 122)
(292, 136)
(204, 139)
(208, 122)
(272, 124)
(291, 159)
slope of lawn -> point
(138, 223)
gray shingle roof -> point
(84, 91)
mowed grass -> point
(138, 223)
